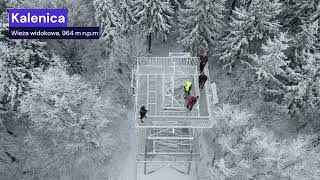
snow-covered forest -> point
(65, 104)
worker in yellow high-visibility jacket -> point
(187, 87)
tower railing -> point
(168, 68)
(168, 136)
(167, 60)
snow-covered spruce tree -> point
(294, 13)
(3, 7)
(11, 153)
(20, 61)
(302, 95)
(19, 58)
(290, 70)
(306, 40)
(109, 19)
(126, 12)
(154, 17)
(176, 4)
(300, 92)
(273, 61)
(201, 24)
(272, 67)
(68, 123)
(248, 29)
(316, 14)
(80, 12)
(10, 149)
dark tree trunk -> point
(248, 4)
(11, 133)
(149, 42)
(234, 2)
(13, 159)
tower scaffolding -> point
(169, 135)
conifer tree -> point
(3, 7)
(273, 61)
(109, 19)
(294, 13)
(249, 27)
(126, 12)
(176, 4)
(304, 62)
(292, 69)
(201, 24)
(155, 18)
(19, 61)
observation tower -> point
(169, 135)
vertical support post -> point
(190, 158)
(163, 90)
(137, 78)
(149, 42)
(137, 147)
(148, 79)
(136, 99)
(146, 153)
(196, 82)
(172, 81)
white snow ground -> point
(166, 173)
(163, 49)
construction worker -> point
(187, 87)
(203, 60)
(191, 102)
(143, 112)
(202, 80)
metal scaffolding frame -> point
(169, 136)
